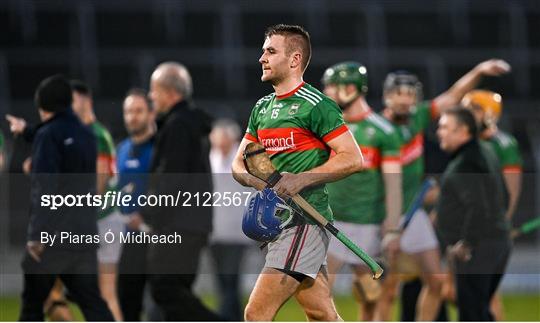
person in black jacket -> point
(63, 163)
(180, 163)
(471, 215)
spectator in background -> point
(179, 162)
(487, 107)
(133, 164)
(471, 215)
(56, 306)
(62, 145)
(228, 243)
(109, 219)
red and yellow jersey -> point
(294, 128)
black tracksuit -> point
(180, 163)
(471, 207)
(63, 162)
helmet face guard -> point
(347, 73)
(262, 220)
(402, 79)
(399, 82)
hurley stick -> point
(526, 227)
(259, 165)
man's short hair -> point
(81, 88)
(465, 118)
(297, 38)
(53, 94)
(176, 77)
(230, 126)
(140, 92)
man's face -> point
(331, 91)
(137, 115)
(450, 133)
(79, 103)
(276, 65)
(160, 96)
(342, 94)
(400, 101)
(221, 140)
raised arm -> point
(451, 97)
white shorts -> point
(300, 249)
(109, 253)
(365, 236)
(419, 235)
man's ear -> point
(296, 59)
(172, 94)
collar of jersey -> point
(286, 95)
(360, 117)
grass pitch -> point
(517, 308)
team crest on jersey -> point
(406, 133)
(294, 108)
(370, 132)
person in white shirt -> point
(228, 243)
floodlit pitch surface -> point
(525, 307)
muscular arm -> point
(450, 98)
(394, 195)
(347, 160)
(512, 180)
(239, 171)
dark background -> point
(114, 45)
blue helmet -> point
(261, 221)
